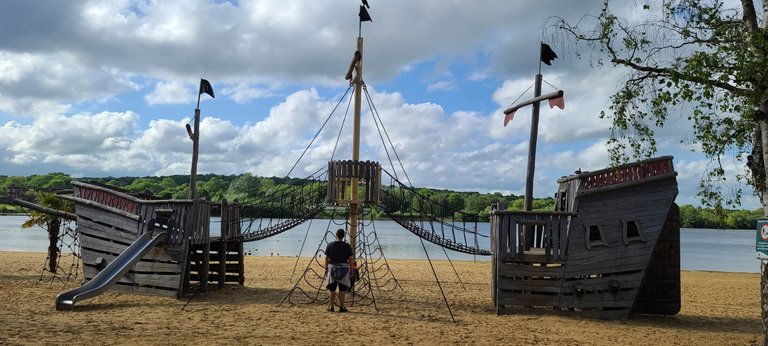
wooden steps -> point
(224, 264)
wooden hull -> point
(108, 222)
(613, 251)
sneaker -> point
(330, 308)
(342, 309)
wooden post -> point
(222, 262)
(186, 267)
(236, 233)
(354, 202)
(206, 240)
(532, 147)
(205, 267)
(55, 212)
(195, 151)
(223, 243)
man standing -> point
(338, 261)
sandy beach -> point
(717, 309)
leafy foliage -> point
(693, 217)
(699, 59)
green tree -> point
(115, 183)
(180, 192)
(214, 188)
(168, 186)
(16, 181)
(51, 223)
(475, 202)
(455, 202)
(709, 55)
(168, 183)
(267, 184)
(518, 204)
(56, 180)
(244, 188)
(703, 57)
(145, 185)
(422, 201)
(544, 204)
(688, 216)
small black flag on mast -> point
(547, 54)
(206, 88)
(364, 16)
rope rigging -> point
(430, 219)
(290, 201)
(294, 201)
(376, 121)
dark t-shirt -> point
(338, 252)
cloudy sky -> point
(105, 88)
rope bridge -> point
(431, 220)
(286, 206)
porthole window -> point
(632, 232)
(594, 235)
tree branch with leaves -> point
(698, 59)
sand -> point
(717, 309)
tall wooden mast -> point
(353, 182)
(195, 136)
(546, 55)
(354, 202)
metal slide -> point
(111, 273)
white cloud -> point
(170, 92)
(243, 93)
(267, 41)
(443, 85)
(440, 150)
(477, 76)
(592, 158)
(40, 84)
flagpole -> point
(195, 150)
(541, 53)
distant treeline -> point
(245, 188)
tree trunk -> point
(53, 241)
(763, 296)
(759, 167)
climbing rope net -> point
(64, 266)
(374, 273)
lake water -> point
(700, 249)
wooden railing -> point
(230, 220)
(530, 236)
(340, 173)
(182, 220)
(635, 171)
(104, 196)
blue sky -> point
(104, 88)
